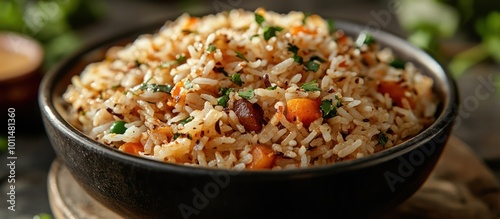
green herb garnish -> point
(294, 49)
(331, 26)
(306, 15)
(186, 120)
(312, 65)
(365, 38)
(317, 58)
(249, 94)
(178, 61)
(211, 48)
(181, 59)
(382, 139)
(186, 31)
(272, 87)
(270, 32)
(241, 56)
(311, 86)
(118, 127)
(259, 19)
(398, 63)
(188, 84)
(328, 109)
(222, 100)
(253, 36)
(339, 101)
(236, 78)
(166, 88)
(221, 70)
(176, 135)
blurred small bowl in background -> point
(20, 72)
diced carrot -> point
(342, 38)
(191, 22)
(343, 64)
(303, 110)
(260, 11)
(132, 148)
(396, 92)
(176, 91)
(163, 134)
(263, 158)
(280, 111)
(295, 30)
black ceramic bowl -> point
(140, 188)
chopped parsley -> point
(166, 88)
(241, 56)
(181, 59)
(186, 120)
(178, 61)
(312, 65)
(317, 58)
(186, 31)
(270, 32)
(236, 78)
(211, 48)
(188, 84)
(382, 139)
(339, 101)
(272, 87)
(222, 101)
(253, 36)
(176, 135)
(259, 19)
(398, 63)
(249, 94)
(331, 26)
(294, 49)
(221, 70)
(328, 109)
(115, 87)
(365, 38)
(311, 86)
(306, 15)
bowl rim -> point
(396, 44)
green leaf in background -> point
(489, 29)
(10, 16)
(3, 143)
(61, 45)
(430, 22)
(435, 16)
(51, 22)
(42, 216)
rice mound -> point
(251, 90)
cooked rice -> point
(218, 47)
